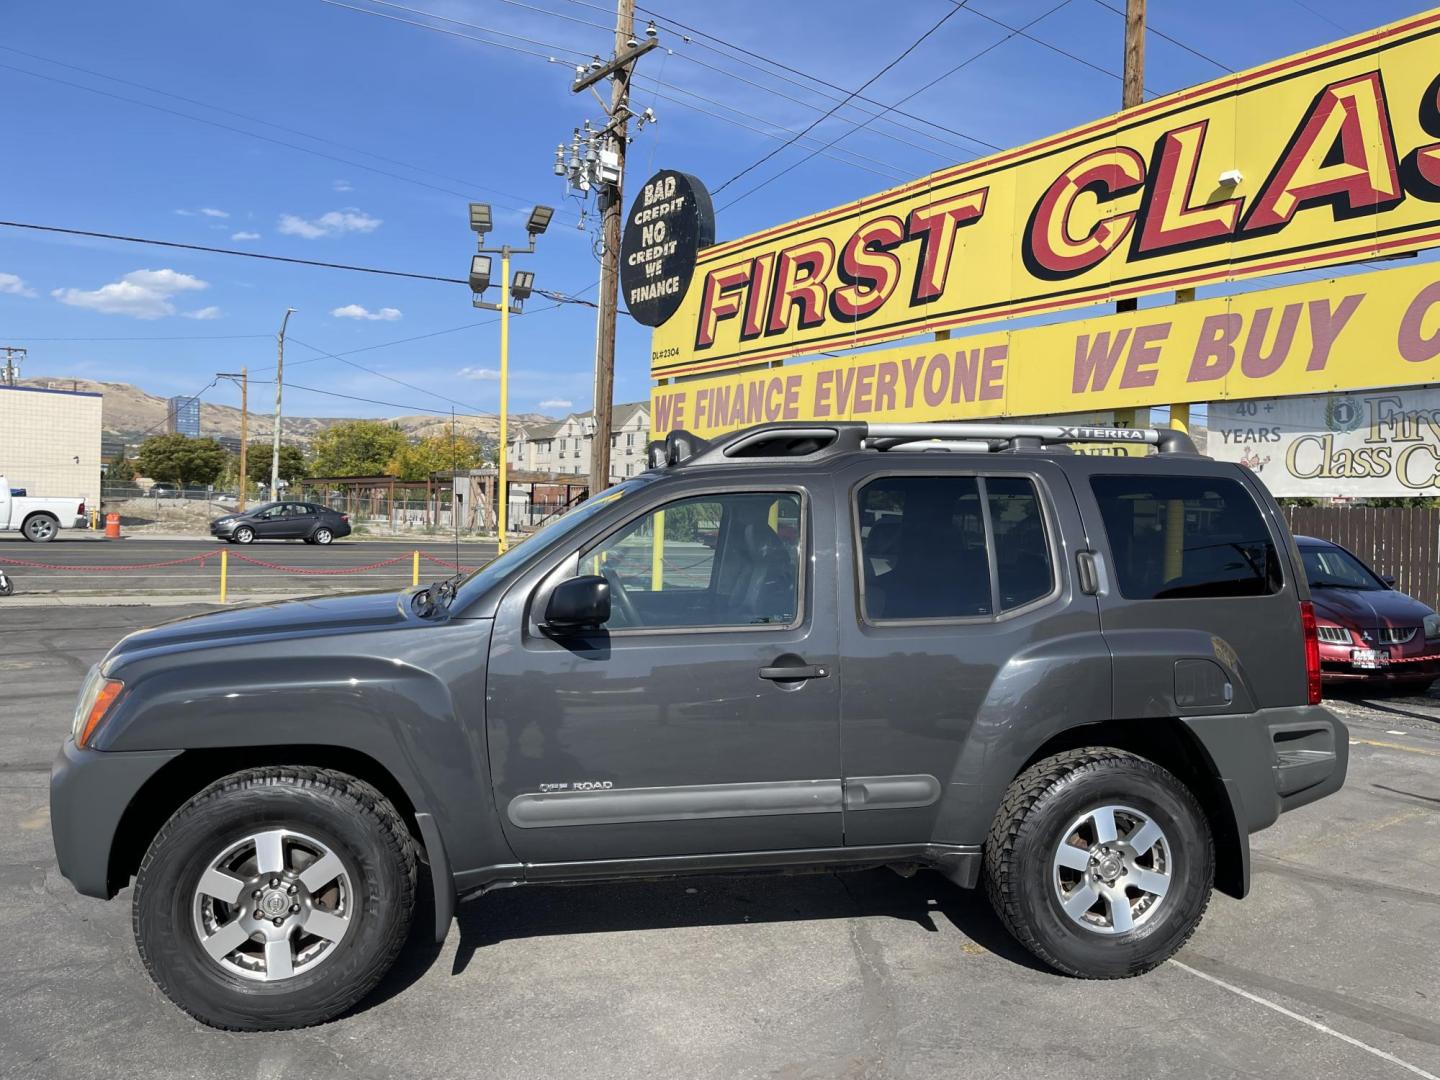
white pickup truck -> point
(38, 520)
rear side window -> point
(924, 551)
(1177, 537)
(1022, 550)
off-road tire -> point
(350, 816)
(1039, 804)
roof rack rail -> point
(808, 440)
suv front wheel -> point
(276, 898)
(1100, 863)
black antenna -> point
(454, 488)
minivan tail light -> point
(1312, 650)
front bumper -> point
(222, 530)
(90, 791)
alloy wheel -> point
(1112, 869)
(273, 905)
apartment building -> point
(564, 447)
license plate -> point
(1369, 658)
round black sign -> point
(669, 222)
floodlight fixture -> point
(480, 218)
(479, 273)
(539, 220)
(522, 285)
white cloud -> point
(355, 311)
(211, 312)
(334, 223)
(141, 294)
(343, 185)
(210, 211)
(185, 213)
(480, 374)
(555, 403)
(245, 235)
(15, 285)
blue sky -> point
(362, 138)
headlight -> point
(225, 521)
(96, 697)
(1432, 627)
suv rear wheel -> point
(1100, 863)
(276, 898)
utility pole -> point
(279, 388)
(243, 381)
(1133, 85)
(603, 167)
(14, 357)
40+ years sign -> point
(1328, 156)
(1375, 445)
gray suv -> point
(1081, 680)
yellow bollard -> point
(415, 568)
(224, 574)
(657, 553)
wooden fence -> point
(1399, 540)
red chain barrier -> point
(108, 569)
(306, 570)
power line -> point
(241, 131)
(913, 94)
(1150, 28)
(232, 251)
(179, 337)
(252, 119)
(810, 80)
(874, 78)
(1040, 41)
(381, 374)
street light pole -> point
(502, 511)
(243, 379)
(513, 295)
(279, 390)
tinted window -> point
(716, 560)
(1186, 536)
(1332, 568)
(922, 548)
(1022, 552)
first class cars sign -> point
(669, 222)
(1328, 156)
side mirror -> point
(579, 603)
(1389, 579)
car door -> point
(963, 636)
(269, 523)
(298, 521)
(678, 728)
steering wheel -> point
(619, 597)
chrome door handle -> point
(786, 674)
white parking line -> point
(1258, 1000)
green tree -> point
(180, 459)
(356, 448)
(121, 469)
(438, 453)
(292, 463)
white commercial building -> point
(50, 442)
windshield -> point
(566, 523)
(1332, 568)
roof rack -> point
(808, 440)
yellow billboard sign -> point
(1366, 330)
(1328, 156)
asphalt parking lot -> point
(1328, 969)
